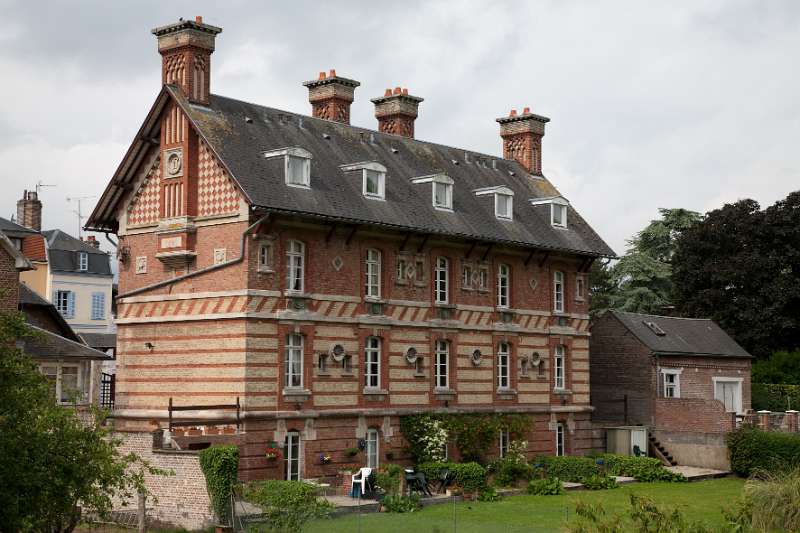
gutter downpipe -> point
(202, 270)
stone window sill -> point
(444, 394)
(296, 394)
(561, 392)
(506, 393)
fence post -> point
(791, 419)
(763, 420)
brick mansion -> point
(330, 278)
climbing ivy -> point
(220, 465)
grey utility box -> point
(623, 440)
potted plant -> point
(351, 452)
(272, 453)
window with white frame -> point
(293, 363)
(560, 440)
(98, 306)
(295, 266)
(65, 303)
(483, 279)
(442, 356)
(401, 270)
(292, 453)
(503, 365)
(372, 448)
(372, 276)
(265, 257)
(558, 291)
(83, 261)
(297, 165)
(580, 288)
(372, 362)
(65, 380)
(440, 280)
(504, 206)
(729, 391)
(672, 383)
(503, 285)
(558, 215)
(373, 178)
(504, 440)
(441, 190)
(559, 367)
(466, 276)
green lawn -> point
(702, 501)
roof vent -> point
(654, 328)
(455, 161)
(248, 120)
(395, 150)
(326, 136)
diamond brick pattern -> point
(144, 207)
(216, 193)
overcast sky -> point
(652, 104)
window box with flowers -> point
(272, 453)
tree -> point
(641, 280)
(741, 267)
(54, 466)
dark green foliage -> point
(574, 468)
(469, 476)
(472, 434)
(510, 469)
(645, 515)
(753, 451)
(645, 469)
(550, 486)
(741, 267)
(351, 452)
(775, 397)
(782, 367)
(599, 482)
(402, 504)
(287, 505)
(220, 465)
(488, 494)
(641, 280)
(53, 464)
(387, 478)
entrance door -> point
(293, 456)
(729, 392)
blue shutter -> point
(98, 305)
(70, 305)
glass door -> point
(292, 456)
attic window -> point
(503, 201)
(558, 209)
(654, 328)
(373, 178)
(297, 165)
(441, 191)
(83, 261)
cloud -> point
(652, 104)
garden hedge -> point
(469, 476)
(220, 466)
(752, 451)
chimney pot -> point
(330, 96)
(396, 112)
(198, 19)
(522, 139)
(388, 92)
(405, 91)
(397, 90)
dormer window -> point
(442, 190)
(297, 165)
(503, 201)
(558, 209)
(373, 176)
(83, 261)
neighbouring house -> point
(63, 358)
(683, 378)
(328, 278)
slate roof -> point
(238, 132)
(12, 229)
(682, 336)
(30, 300)
(48, 345)
(100, 341)
(62, 251)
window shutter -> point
(70, 305)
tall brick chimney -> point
(330, 96)
(522, 138)
(29, 211)
(396, 112)
(186, 49)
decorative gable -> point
(216, 192)
(143, 209)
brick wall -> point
(698, 373)
(182, 499)
(9, 282)
(692, 415)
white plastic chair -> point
(361, 477)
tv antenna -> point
(40, 186)
(79, 211)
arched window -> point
(373, 274)
(295, 266)
(292, 453)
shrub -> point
(598, 482)
(286, 505)
(752, 451)
(546, 487)
(469, 476)
(645, 515)
(510, 469)
(488, 494)
(769, 504)
(645, 469)
(351, 452)
(426, 437)
(220, 465)
(774, 397)
(387, 478)
(401, 504)
(569, 468)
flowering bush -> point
(426, 437)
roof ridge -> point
(659, 316)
